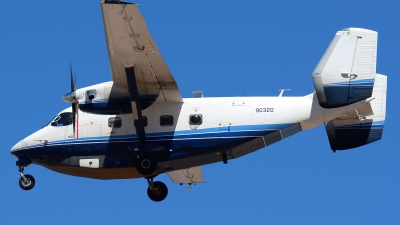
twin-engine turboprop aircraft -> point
(139, 125)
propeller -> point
(75, 104)
(71, 98)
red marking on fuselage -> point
(77, 124)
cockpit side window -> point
(64, 119)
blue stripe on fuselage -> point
(210, 139)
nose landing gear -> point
(26, 182)
(157, 191)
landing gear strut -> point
(157, 191)
(26, 182)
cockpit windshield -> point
(64, 119)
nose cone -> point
(69, 97)
(16, 147)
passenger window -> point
(166, 120)
(114, 122)
(64, 119)
(195, 119)
(145, 121)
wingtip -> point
(115, 2)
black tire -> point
(159, 192)
(146, 165)
(28, 183)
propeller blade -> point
(73, 88)
(74, 102)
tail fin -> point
(362, 126)
(345, 74)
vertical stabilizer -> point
(345, 74)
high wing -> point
(130, 44)
(187, 176)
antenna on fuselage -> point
(283, 90)
(198, 94)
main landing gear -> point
(26, 182)
(146, 165)
(157, 191)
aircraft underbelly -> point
(101, 173)
(182, 154)
(130, 171)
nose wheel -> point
(157, 191)
(26, 182)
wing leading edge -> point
(129, 43)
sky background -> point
(223, 48)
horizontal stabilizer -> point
(345, 74)
(363, 125)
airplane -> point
(138, 125)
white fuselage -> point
(216, 112)
(226, 123)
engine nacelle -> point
(106, 99)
